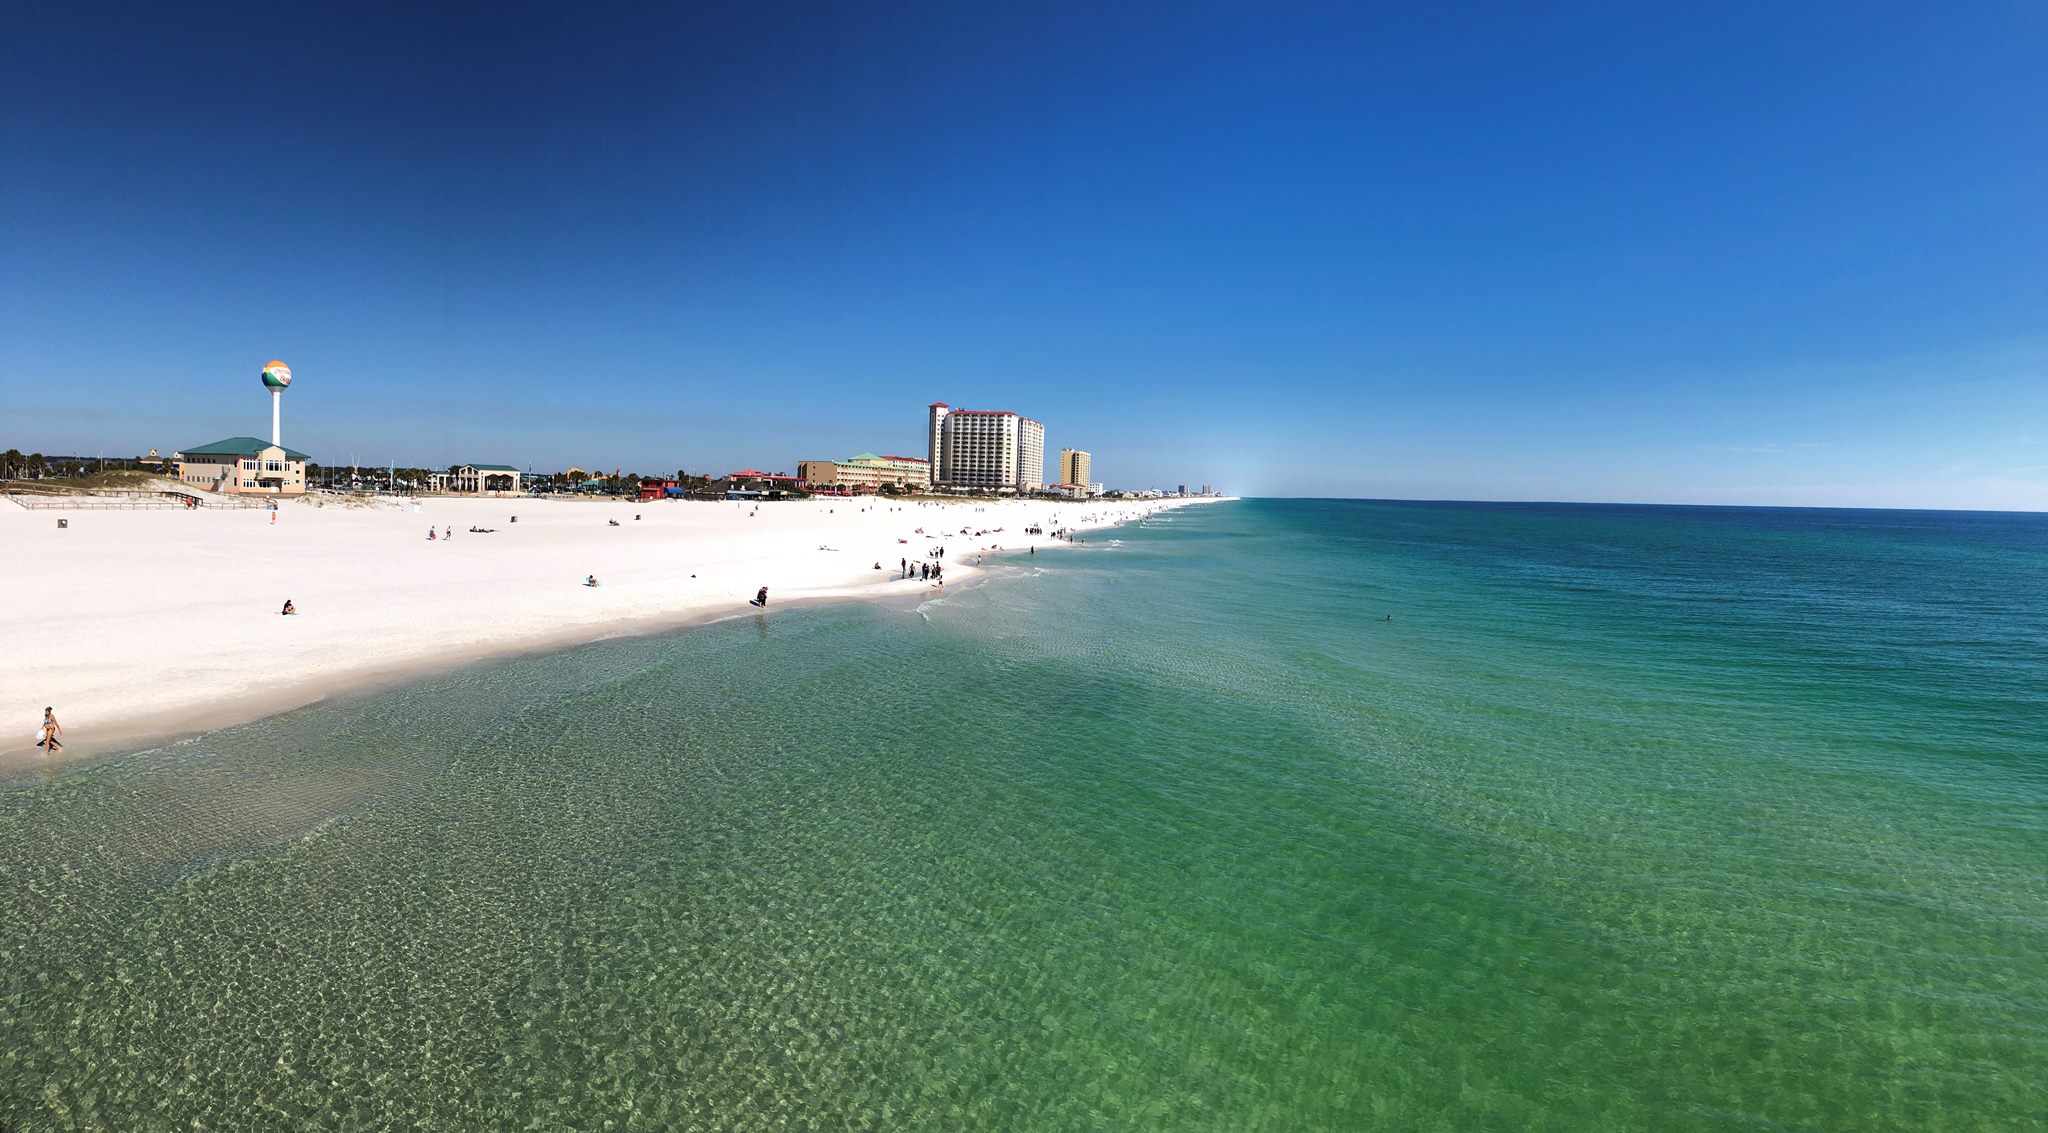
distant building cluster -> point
(968, 450)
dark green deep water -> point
(1631, 818)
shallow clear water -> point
(1630, 818)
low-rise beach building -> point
(749, 483)
(244, 466)
(865, 473)
(911, 473)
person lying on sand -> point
(590, 580)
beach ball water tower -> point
(277, 377)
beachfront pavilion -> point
(244, 466)
(479, 480)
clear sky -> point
(1755, 253)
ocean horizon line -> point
(1646, 504)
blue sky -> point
(1736, 253)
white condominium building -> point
(985, 448)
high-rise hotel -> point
(986, 448)
(1075, 466)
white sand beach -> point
(142, 625)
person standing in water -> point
(47, 738)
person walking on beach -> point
(46, 738)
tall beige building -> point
(986, 448)
(1075, 466)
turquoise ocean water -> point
(1630, 818)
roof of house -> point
(938, 405)
(494, 468)
(239, 446)
(911, 459)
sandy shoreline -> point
(143, 626)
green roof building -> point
(244, 466)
